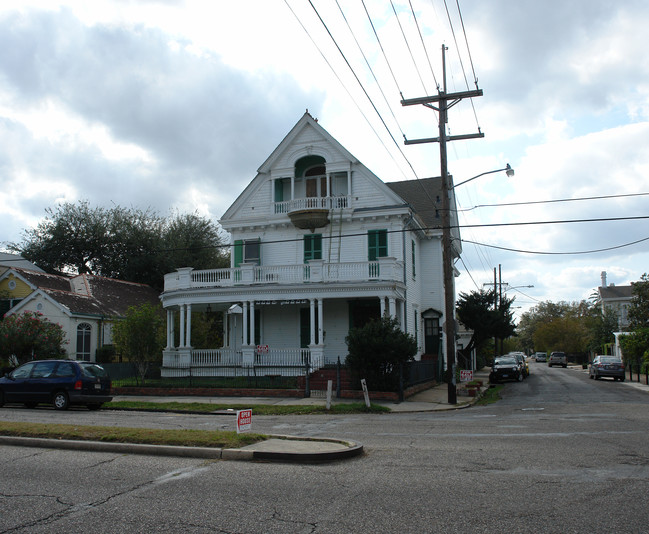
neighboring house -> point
(86, 306)
(319, 245)
(7, 261)
(617, 299)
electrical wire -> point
(423, 44)
(528, 203)
(349, 94)
(408, 46)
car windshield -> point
(92, 370)
(610, 359)
(505, 361)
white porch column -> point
(349, 186)
(168, 330)
(252, 322)
(189, 326)
(393, 307)
(320, 323)
(224, 334)
(382, 301)
(244, 305)
(173, 330)
(182, 326)
(312, 320)
(328, 179)
(292, 187)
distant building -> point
(616, 299)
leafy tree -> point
(478, 312)
(140, 337)
(602, 326)
(29, 336)
(639, 310)
(635, 346)
(376, 352)
(127, 244)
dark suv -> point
(58, 382)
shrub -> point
(376, 352)
(29, 335)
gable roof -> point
(292, 148)
(616, 292)
(14, 260)
(424, 196)
(87, 294)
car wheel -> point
(94, 406)
(2, 399)
(520, 377)
(596, 377)
(60, 400)
(590, 376)
(565, 365)
(621, 380)
(31, 405)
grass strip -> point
(149, 436)
(257, 409)
(491, 395)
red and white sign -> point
(466, 376)
(244, 421)
(262, 349)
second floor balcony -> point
(316, 271)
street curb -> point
(350, 450)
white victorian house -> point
(319, 245)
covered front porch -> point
(272, 333)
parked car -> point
(59, 382)
(505, 368)
(520, 358)
(541, 356)
(558, 358)
(606, 366)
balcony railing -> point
(316, 271)
(296, 204)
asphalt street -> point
(558, 453)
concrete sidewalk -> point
(275, 448)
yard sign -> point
(466, 376)
(244, 421)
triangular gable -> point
(32, 297)
(306, 137)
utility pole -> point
(445, 102)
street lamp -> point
(508, 170)
(447, 259)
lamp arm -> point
(508, 168)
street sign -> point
(466, 376)
(244, 421)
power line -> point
(350, 95)
(528, 203)
(561, 253)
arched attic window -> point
(312, 169)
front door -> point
(431, 336)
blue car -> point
(62, 383)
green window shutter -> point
(238, 252)
(377, 243)
(312, 247)
(413, 259)
(279, 190)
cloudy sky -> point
(173, 105)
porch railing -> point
(388, 269)
(296, 204)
